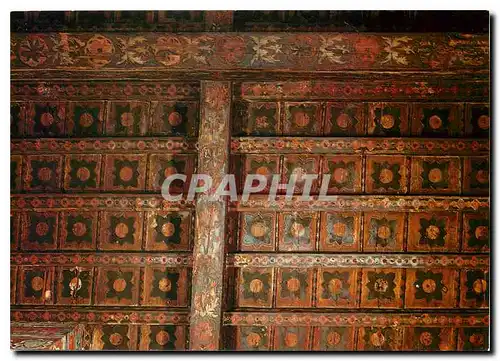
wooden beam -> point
(366, 203)
(208, 254)
(355, 318)
(97, 259)
(353, 260)
(153, 51)
(360, 145)
(98, 315)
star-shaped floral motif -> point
(119, 284)
(435, 175)
(256, 285)
(382, 232)
(294, 284)
(340, 229)
(477, 286)
(127, 119)
(335, 285)
(478, 235)
(75, 283)
(168, 229)
(162, 337)
(165, 285)
(126, 173)
(435, 121)
(115, 337)
(433, 231)
(429, 286)
(387, 121)
(381, 285)
(386, 175)
(82, 174)
(122, 230)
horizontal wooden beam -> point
(100, 259)
(234, 51)
(355, 319)
(366, 203)
(101, 201)
(304, 260)
(108, 145)
(363, 145)
(423, 87)
(97, 315)
(27, 89)
(250, 145)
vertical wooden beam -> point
(208, 253)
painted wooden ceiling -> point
(106, 105)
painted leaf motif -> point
(266, 49)
(396, 49)
(331, 49)
(135, 50)
(66, 48)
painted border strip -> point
(356, 260)
(430, 88)
(99, 90)
(232, 51)
(104, 145)
(103, 201)
(100, 259)
(250, 145)
(355, 319)
(94, 315)
(368, 202)
(208, 253)
(359, 145)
